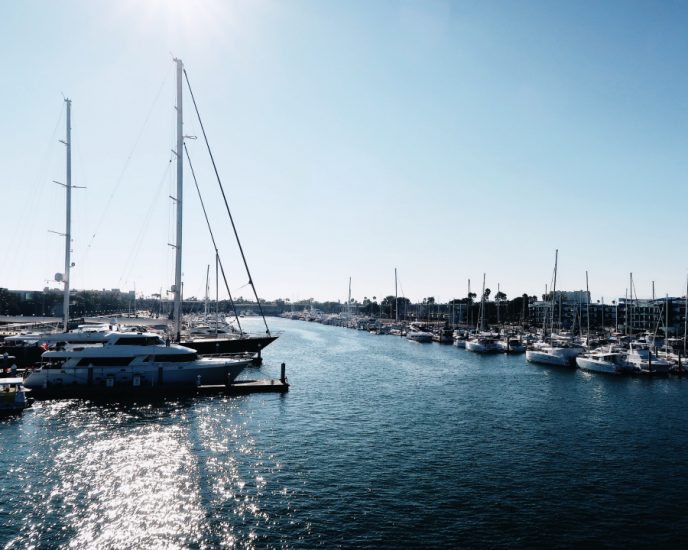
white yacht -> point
(460, 338)
(415, 334)
(548, 354)
(482, 343)
(646, 362)
(510, 344)
(607, 362)
(141, 360)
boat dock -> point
(241, 387)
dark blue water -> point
(380, 443)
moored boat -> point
(606, 362)
(511, 345)
(416, 333)
(640, 357)
(129, 362)
(482, 344)
(13, 398)
(548, 354)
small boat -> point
(511, 345)
(460, 338)
(606, 362)
(558, 355)
(646, 362)
(483, 343)
(443, 335)
(13, 397)
(416, 334)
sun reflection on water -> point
(174, 474)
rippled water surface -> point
(380, 442)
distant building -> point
(571, 310)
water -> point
(380, 443)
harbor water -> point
(380, 443)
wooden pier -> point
(241, 387)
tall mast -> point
(396, 297)
(630, 295)
(587, 307)
(68, 225)
(348, 301)
(554, 287)
(481, 315)
(685, 319)
(469, 313)
(207, 288)
(180, 183)
(217, 292)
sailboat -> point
(129, 361)
(554, 350)
(482, 341)
(233, 340)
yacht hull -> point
(155, 377)
(544, 358)
(592, 365)
(482, 347)
(210, 346)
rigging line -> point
(231, 219)
(128, 159)
(212, 237)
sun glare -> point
(202, 23)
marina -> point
(460, 449)
(346, 274)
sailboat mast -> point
(68, 225)
(685, 320)
(554, 287)
(217, 292)
(207, 276)
(180, 183)
(348, 301)
(396, 298)
(587, 308)
(481, 315)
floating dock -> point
(240, 387)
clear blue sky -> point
(446, 139)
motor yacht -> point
(128, 360)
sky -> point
(444, 139)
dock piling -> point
(283, 373)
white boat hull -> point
(154, 375)
(420, 337)
(477, 346)
(563, 357)
(595, 365)
(511, 348)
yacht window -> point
(104, 361)
(176, 358)
(128, 341)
